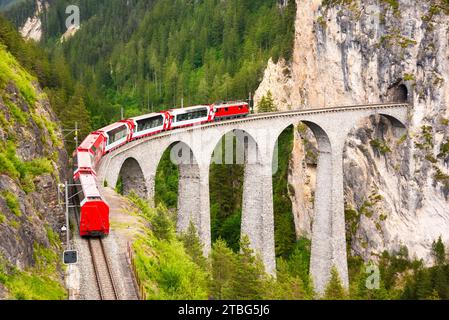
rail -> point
(103, 271)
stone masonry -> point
(195, 147)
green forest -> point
(173, 267)
(148, 55)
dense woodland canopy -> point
(144, 55)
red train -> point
(94, 211)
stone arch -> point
(366, 148)
(321, 222)
(235, 152)
(312, 147)
(247, 149)
(132, 178)
(188, 203)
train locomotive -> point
(94, 211)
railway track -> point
(104, 278)
(103, 271)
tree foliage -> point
(266, 104)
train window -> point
(75, 162)
(94, 149)
(192, 115)
(117, 134)
(150, 123)
(226, 109)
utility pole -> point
(121, 113)
(182, 103)
(67, 214)
(76, 135)
(69, 132)
(250, 102)
(70, 256)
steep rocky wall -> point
(32, 28)
(354, 52)
(32, 163)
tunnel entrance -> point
(397, 93)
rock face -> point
(29, 211)
(71, 31)
(369, 51)
(32, 29)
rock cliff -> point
(32, 163)
(32, 28)
(370, 51)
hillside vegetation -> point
(141, 54)
(30, 154)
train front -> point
(94, 211)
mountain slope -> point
(32, 162)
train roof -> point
(183, 110)
(89, 141)
(231, 103)
(84, 159)
(89, 186)
(149, 115)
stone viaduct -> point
(137, 163)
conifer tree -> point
(439, 252)
(423, 284)
(223, 267)
(161, 223)
(193, 246)
(248, 277)
(266, 104)
(334, 289)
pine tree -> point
(248, 278)
(193, 246)
(266, 104)
(76, 111)
(162, 225)
(223, 267)
(423, 284)
(439, 252)
(334, 289)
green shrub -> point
(167, 272)
(53, 237)
(12, 202)
(14, 167)
(15, 224)
(10, 70)
(380, 146)
(7, 166)
(15, 111)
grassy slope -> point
(42, 280)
